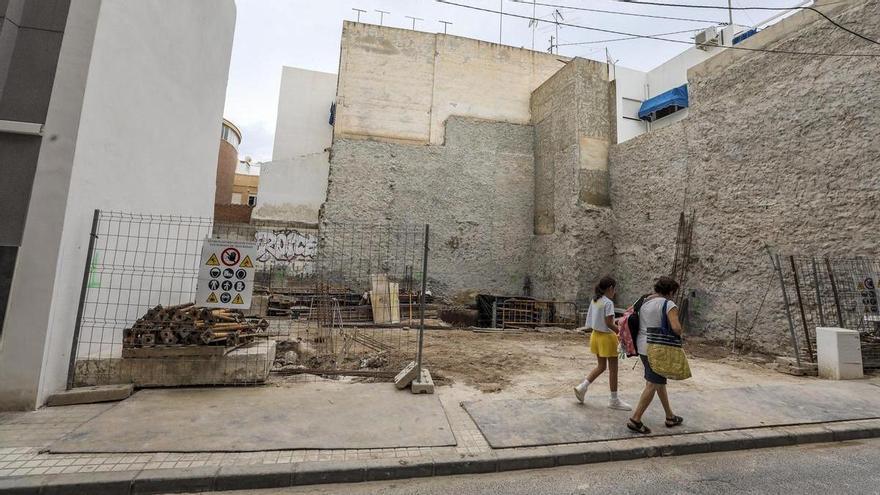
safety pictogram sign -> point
(226, 274)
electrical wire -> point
(681, 5)
(626, 38)
(658, 38)
(617, 12)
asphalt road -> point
(849, 467)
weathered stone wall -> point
(574, 127)
(475, 192)
(778, 150)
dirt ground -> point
(546, 365)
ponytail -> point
(604, 284)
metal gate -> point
(831, 292)
(339, 300)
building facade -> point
(103, 118)
(294, 183)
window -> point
(229, 136)
(252, 200)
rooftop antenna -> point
(533, 23)
(359, 11)
(557, 16)
(445, 24)
(550, 50)
(382, 15)
(414, 19)
(500, 18)
(730, 10)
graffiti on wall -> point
(286, 246)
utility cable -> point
(626, 38)
(617, 12)
(658, 38)
(718, 7)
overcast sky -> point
(306, 33)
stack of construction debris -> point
(188, 324)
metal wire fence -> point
(832, 292)
(342, 300)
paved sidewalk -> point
(25, 466)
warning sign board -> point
(226, 274)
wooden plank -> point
(379, 298)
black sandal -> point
(674, 421)
(638, 427)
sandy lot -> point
(545, 365)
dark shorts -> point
(650, 376)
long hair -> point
(604, 284)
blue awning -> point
(744, 36)
(673, 100)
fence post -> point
(93, 234)
(818, 292)
(777, 265)
(422, 305)
(834, 291)
(797, 288)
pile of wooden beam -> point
(188, 324)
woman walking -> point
(651, 314)
(603, 342)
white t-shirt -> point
(650, 315)
(598, 311)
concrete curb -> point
(309, 473)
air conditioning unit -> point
(706, 38)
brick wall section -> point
(778, 150)
(227, 160)
(475, 192)
(232, 213)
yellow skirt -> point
(603, 344)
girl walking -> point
(603, 342)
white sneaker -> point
(580, 391)
(619, 404)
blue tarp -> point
(675, 97)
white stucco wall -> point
(294, 184)
(303, 124)
(147, 143)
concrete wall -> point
(294, 184)
(293, 189)
(574, 121)
(777, 150)
(401, 85)
(147, 140)
(475, 192)
(303, 124)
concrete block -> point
(317, 472)
(406, 375)
(90, 395)
(425, 384)
(514, 459)
(200, 479)
(715, 441)
(391, 469)
(809, 433)
(682, 445)
(247, 364)
(105, 483)
(839, 353)
(583, 453)
(22, 485)
(461, 464)
(762, 438)
(635, 448)
(254, 476)
(854, 430)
